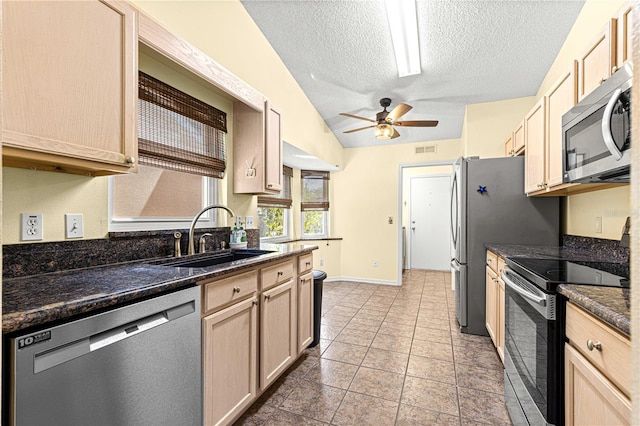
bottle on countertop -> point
(243, 235)
(234, 235)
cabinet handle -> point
(130, 160)
(280, 273)
(254, 302)
(236, 289)
(602, 80)
(591, 345)
(267, 296)
(308, 263)
(270, 185)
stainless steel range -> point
(534, 330)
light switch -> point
(73, 225)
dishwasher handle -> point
(53, 357)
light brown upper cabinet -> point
(597, 60)
(257, 149)
(534, 137)
(70, 86)
(624, 24)
(518, 139)
(508, 146)
(561, 97)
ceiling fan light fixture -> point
(383, 131)
(403, 23)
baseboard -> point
(363, 280)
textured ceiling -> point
(340, 53)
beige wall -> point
(366, 193)
(489, 124)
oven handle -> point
(523, 292)
(606, 126)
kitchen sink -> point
(217, 258)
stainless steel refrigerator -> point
(488, 205)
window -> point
(181, 144)
(315, 204)
(274, 211)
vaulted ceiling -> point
(472, 51)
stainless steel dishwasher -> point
(135, 365)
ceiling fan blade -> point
(398, 111)
(355, 116)
(395, 134)
(417, 123)
(357, 130)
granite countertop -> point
(612, 305)
(607, 303)
(35, 300)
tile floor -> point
(389, 356)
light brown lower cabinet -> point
(590, 398)
(229, 361)
(597, 371)
(254, 326)
(305, 311)
(277, 332)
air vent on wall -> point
(429, 149)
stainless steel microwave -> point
(596, 133)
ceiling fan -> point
(385, 120)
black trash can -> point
(318, 279)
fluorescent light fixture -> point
(403, 23)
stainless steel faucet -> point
(191, 249)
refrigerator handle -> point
(455, 265)
(454, 217)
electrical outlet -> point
(598, 225)
(248, 222)
(375, 263)
(390, 220)
(73, 225)
(31, 226)
(238, 221)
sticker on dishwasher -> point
(33, 339)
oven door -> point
(533, 343)
(597, 140)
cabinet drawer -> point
(492, 260)
(613, 358)
(276, 274)
(501, 266)
(222, 292)
(305, 263)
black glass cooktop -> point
(553, 272)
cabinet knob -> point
(269, 185)
(254, 302)
(591, 345)
(236, 289)
(267, 296)
(308, 263)
(602, 80)
(280, 273)
(130, 160)
(614, 69)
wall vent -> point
(429, 149)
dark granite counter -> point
(34, 300)
(611, 305)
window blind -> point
(315, 190)
(282, 200)
(179, 132)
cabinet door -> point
(597, 60)
(70, 79)
(624, 23)
(562, 96)
(534, 137)
(508, 146)
(305, 311)
(518, 138)
(229, 365)
(491, 313)
(277, 332)
(273, 148)
(589, 397)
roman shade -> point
(282, 200)
(179, 132)
(315, 190)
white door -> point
(430, 222)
